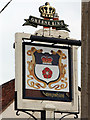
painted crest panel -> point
(47, 70)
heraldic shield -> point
(46, 69)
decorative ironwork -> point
(67, 113)
(75, 117)
(71, 113)
(17, 113)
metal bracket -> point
(17, 113)
(71, 113)
(75, 117)
(66, 113)
(54, 40)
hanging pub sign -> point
(47, 72)
(49, 14)
(45, 75)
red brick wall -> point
(8, 90)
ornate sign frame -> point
(22, 103)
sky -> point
(12, 19)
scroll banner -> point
(58, 24)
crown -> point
(47, 60)
(47, 11)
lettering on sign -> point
(58, 24)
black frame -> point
(70, 73)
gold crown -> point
(47, 11)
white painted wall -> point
(11, 113)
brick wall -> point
(7, 94)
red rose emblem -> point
(47, 73)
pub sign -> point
(46, 72)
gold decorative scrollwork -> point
(34, 85)
(62, 72)
(41, 84)
(31, 65)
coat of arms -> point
(46, 70)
